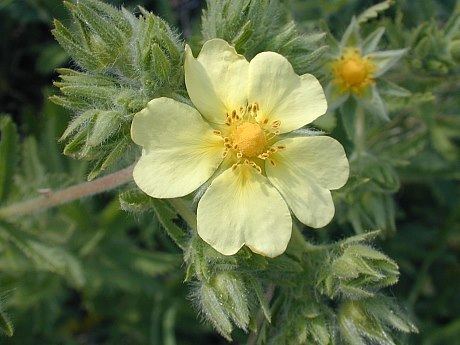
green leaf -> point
(215, 313)
(257, 26)
(380, 172)
(45, 257)
(78, 122)
(76, 147)
(9, 154)
(366, 237)
(33, 169)
(319, 330)
(106, 123)
(6, 326)
(167, 215)
(261, 298)
(70, 43)
(116, 154)
(231, 293)
(135, 201)
(374, 11)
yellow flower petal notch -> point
(353, 72)
(234, 137)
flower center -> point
(249, 138)
(353, 71)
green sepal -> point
(389, 88)
(373, 103)
(371, 42)
(351, 36)
(385, 60)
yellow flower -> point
(353, 72)
(235, 137)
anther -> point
(281, 147)
(216, 132)
(225, 153)
(265, 121)
(234, 166)
(239, 155)
(276, 124)
(255, 166)
(272, 162)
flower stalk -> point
(52, 199)
(360, 131)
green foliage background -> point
(90, 273)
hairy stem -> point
(302, 244)
(63, 196)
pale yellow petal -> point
(321, 157)
(180, 151)
(304, 172)
(242, 207)
(282, 95)
(216, 80)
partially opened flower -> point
(356, 67)
(235, 137)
